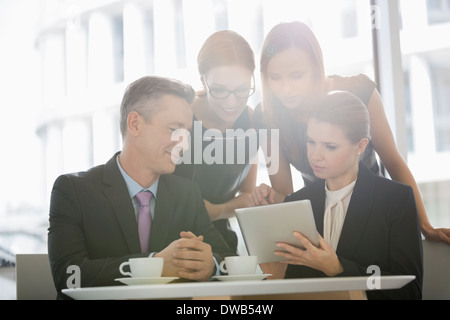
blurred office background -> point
(65, 64)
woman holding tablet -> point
(364, 220)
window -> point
(180, 43)
(408, 112)
(117, 37)
(438, 11)
(349, 19)
(427, 96)
(221, 14)
(441, 80)
(149, 40)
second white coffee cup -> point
(239, 265)
(143, 267)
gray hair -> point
(141, 96)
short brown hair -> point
(150, 89)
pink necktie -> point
(144, 219)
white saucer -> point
(144, 281)
(244, 277)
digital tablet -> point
(262, 227)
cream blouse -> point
(336, 206)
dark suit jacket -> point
(381, 228)
(93, 223)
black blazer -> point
(381, 228)
(93, 223)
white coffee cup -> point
(239, 265)
(143, 267)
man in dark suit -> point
(93, 214)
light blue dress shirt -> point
(134, 188)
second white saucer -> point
(245, 277)
(144, 281)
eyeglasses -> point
(223, 93)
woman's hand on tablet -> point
(322, 258)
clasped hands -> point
(188, 258)
(322, 258)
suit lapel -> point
(318, 204)
(164, 214)
(117, 193)
(357, 213)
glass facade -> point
(90, 50)
(438, 11)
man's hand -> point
(188, 257)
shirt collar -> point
(133, 187)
